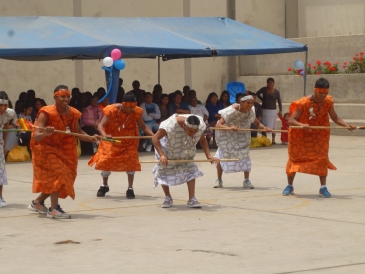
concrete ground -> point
(237, 230)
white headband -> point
(190, 125)
(247, 97)
(4, 102)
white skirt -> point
(269, 117)
(230, 167)
(175, 179)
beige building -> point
(306, 21)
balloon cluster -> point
(299, 66)
(114, 60)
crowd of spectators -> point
(157, 107)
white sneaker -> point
(247, 184)
(144, 144)
(168, 202)
(218, 183)
(149, 148)
(2, 202)
(193, 202)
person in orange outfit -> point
(119, 120)
(308, 149)
(55, 155)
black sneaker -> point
(130, 193)
(102, 190)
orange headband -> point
(129, 104)
(62, 92)
(321, 90)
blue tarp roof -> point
(53, 38)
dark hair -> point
(212, 94)
(223, 93)
(21, 96)
(157, 87)
(322, 83)
(60, 87)
(30, 91)
(270, 79)
(238, 95)
(75, 90)
(163, 95)
(178, 92)
(186, 87)
(101, 90)
(193, 120)
(129, 97)
(192, 97)
(26, 106)
(287, 113)
(147, 93)
(4, 95)
(191, 91)
(43, 103)
(136, 82)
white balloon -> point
(108, 62)
(298, 64)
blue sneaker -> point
(289, 190)
(323, 192)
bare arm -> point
(156, 143)
(40, 134)
(143, 126)
(335, 118)
(87, 137)
(102, 125)
(5, 135)
(204, 144)
(293, 120)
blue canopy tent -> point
(55, 38)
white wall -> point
(331, 17)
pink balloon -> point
(116, 54)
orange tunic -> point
(119, 156)
(55, 157)
(308, 149)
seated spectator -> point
(192, 93)
(84, 102)
(104, 103)
(120, 94)
(177, 106)
(197, 109)
(31, 96)
(185, 98)
(201, 111)
(120, 88)
(156, 93)
(90, 120)
(24, 137)
(225, 99)
(238, 97)
(139, 93)
(75, 98)
(151, 113)
(38, 104)
(100, 92)
(164, 107)
(20, 103)
(213, 107)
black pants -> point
(87, 147)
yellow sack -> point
(266, 141)
(18, 154)
(254, 142)
(78, 144)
